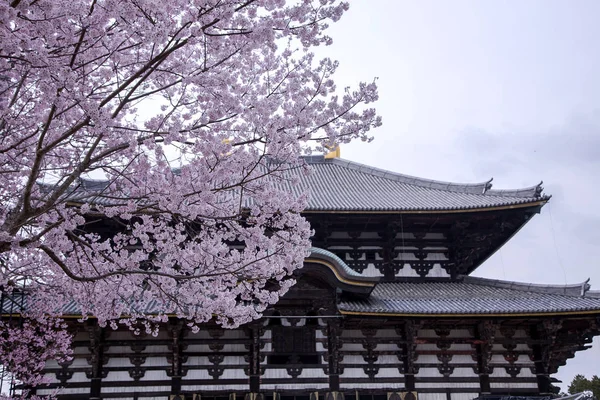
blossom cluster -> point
(192, 116)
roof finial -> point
(585, 286)
(539, 189)
(487, 186)
(334, 152)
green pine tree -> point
(580, 383)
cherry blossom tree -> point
(149, 152)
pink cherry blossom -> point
(192, 115)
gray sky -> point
(507, 89)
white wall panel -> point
(131, 389)
(283, 386)
(429, 373)
(391, 385)
(353, 373)
(353, 359)
(203, 388)
(499, 372)
(462, 396)
(446, 385)
(117, 376)
(463, 373)
(427, 359)
(64, 391)
(156, 376)
(513, 385)
(388, 373)
(431, 396)
(118, 362)
(157, 362)
(387, 359)
(196, 374)
(78, 377)
(234, 374)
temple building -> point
(384, 309)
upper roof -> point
(341, 185)
(473, 296)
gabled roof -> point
(473, 296)
(342, 185)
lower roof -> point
(473, 297)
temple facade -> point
(383, 309)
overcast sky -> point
(506, 89)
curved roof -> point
(341, 185)
(337, 184)
(333, 269)
(473, 296)
(339, 264)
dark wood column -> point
(333, 355)
(409, 352)
(176, 357)
(485, 333)
(254, 356)
(96, 359)
(541, 348)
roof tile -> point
(473, 296)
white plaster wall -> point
(281, 373)
(353, 373)
(463, 396)
(517, 385)
(131, 389)
(463, 373)
(229, 388)
(431, 396)
(446, 385)
(429, 373)
(388, 373)
(280, 386)
(44, 392)
(78, 377)
(393, 385)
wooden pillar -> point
(484, 338)
(96, 347)
(333, 356)
(254, 358)
(409, 355)
(176, 358)
(540, 359)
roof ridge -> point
(573, 290)
(593, 294)
(531, 191)
(481, 188)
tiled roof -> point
(316, 252)
(14, 303)
(476, 296)
(342, 185)
(471, 296)
(338, 184)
